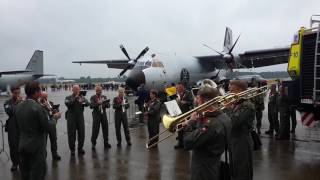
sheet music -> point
(173, 108)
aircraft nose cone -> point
(135, 78)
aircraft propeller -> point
(131, 62)
(228, 56)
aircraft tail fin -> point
(36, 63)
(228, 42)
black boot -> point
(73, 152)
(81, 152)
(14, 167)
(178, 146)
(269, 132)
(55, 156)
(107, 146)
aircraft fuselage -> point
(162, 70)
(14, 80)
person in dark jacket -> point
(242, 116)
(142, 95)
(34, 123)
(12, 127)
(120, 106)
(258, 103)
(185, 102)
(273, 111)
(75, 120)
(292, 112)
(54, 116)
(153, 115)
(99, 103)
(284, 109)
(206, 136)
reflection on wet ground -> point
(283, 160)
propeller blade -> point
(241, 65)
(143, 52)
(212, 49)
(234, 44)
(125, 52)
(124, 70)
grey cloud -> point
(84, 30)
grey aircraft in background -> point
(156, 71)
(34, 70)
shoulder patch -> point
(204, 129)
(6, 106)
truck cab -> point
(304, 69)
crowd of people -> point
(84, 86)
(208, 133)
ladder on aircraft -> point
(316, 87)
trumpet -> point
(52, 109)
(173, 124)
(18, 100)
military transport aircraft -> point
(156, 71)
(34, 70)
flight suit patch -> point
(7, 106)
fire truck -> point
(303, 89)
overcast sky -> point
(69, 30)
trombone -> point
(173, 124)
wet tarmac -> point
(277, 160)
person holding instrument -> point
(75, 120)
(242, 115)
(153, 115)
(185, 102)
(54, 115)
(206, 133)
(120, 106)
(99, 103)
(34, 124)
(273, 111)
(11, 126)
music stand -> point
(2, 150)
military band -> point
(207, 133)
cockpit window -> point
(157, 63)
(148, 63)
(140, 63)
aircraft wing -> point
(249, 59)
(267, 57)
(116, 64)
(13, 72)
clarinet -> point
(123, 103)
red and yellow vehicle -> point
(304, 70)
